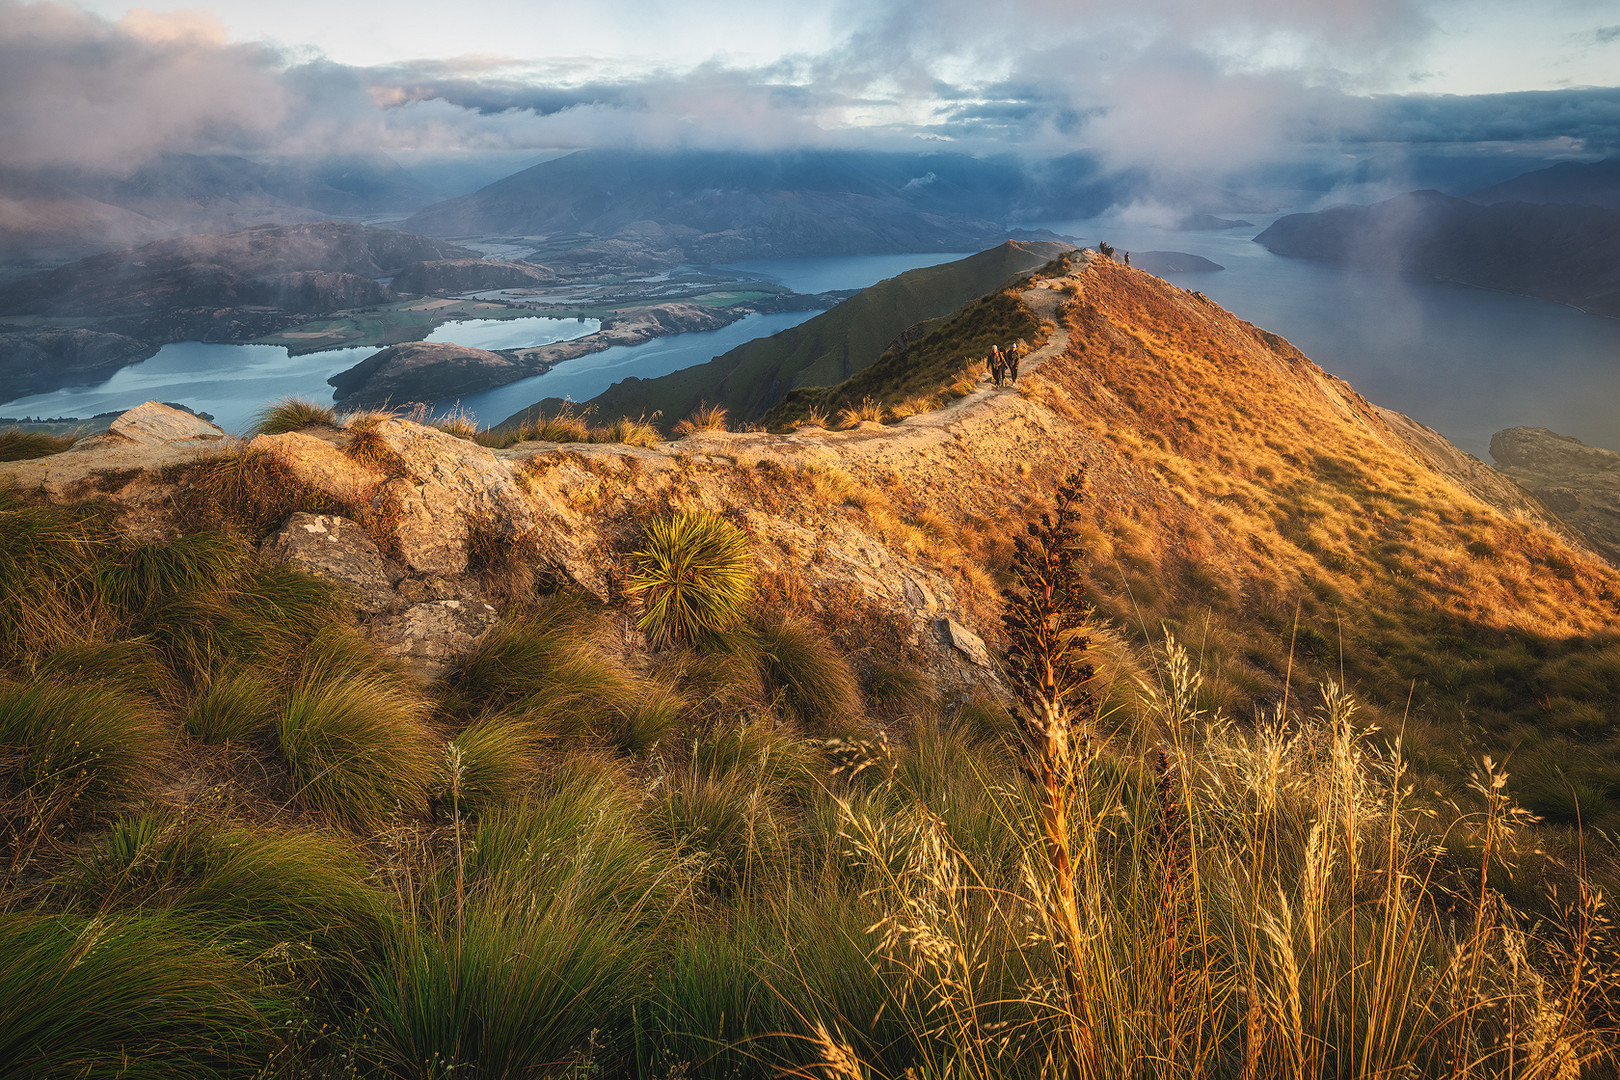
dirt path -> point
(981, 441)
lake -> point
(234, 382)
(1467, 362)
(526, 333)
(586, 376)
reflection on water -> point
(1467, 362)
(230, 381)
(586, 376)
(525, 333)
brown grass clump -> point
(861, 412)
(639, 432)
(460, 424)
(250, 491)
(703, 418)
(914, 406)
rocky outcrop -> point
(445, 488)
(421, 371)
(428, 622)
(432, 636)
(339, 550)
(145, 438)
(1579, 483)
(469, 275)
(39, 361)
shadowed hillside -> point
(827, 349)
(1566, 253)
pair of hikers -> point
(1003, 365)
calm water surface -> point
(230, 381)
(1467, 362)
(233, 382)
(526, 333)
(586, 376)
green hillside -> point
(823, 351)
(937, 354)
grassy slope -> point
(946, 346)
(825, 350)
(1244, 497)
(652, 865)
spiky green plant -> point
(292, 414)
(694, 575)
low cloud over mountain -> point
(1171, 89)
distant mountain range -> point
(1561, 252)
(723, 206)
(1595, 183)
(55, 214)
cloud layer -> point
(1177, 88)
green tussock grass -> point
(809, 680)
(549, 673)
(489, 765)
(71, 750)
(537, 948)
(355, 738)
(48, 562)
(356, 752)
(300, 902)
(292, 414)
(143, 998)
(19, 445)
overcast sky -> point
(1188, 85)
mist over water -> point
(1467, 362)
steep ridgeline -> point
(354, 748)
(1560, 252)
(1284, 529)
(825, 350)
